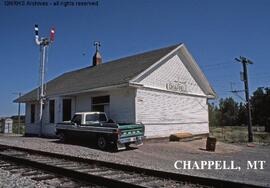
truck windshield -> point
(95, 117)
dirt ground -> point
(239, 134)
(162, 155)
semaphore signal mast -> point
(44, 44)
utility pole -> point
(244, 62)
(44, 44)
(19, 113)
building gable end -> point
(173, 76)
(177, 72)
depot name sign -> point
(176, 86)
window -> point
(77, 119)
(101, 100)
(99, 104)
(98, 108)
(51, 111)
(95, 117)
(66, 109)
(32, 112)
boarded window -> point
(98, 108)
(32, 112)
(99, 103)
(51, 109)
(66, 109)
(101, 100)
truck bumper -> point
(138, 141)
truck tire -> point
(62, 137)
(102, 142)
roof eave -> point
(19, 100)
(24, 101)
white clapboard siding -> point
(27, 113)
(165, 113)
(83, 103)
(172, 71)
(31, 128)
(122, 105)
(48, 129)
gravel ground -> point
(161, 155)
(14, 176)
(15, 180)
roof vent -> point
(97, 57)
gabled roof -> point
(190, 65)
(112, 73)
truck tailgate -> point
(131, 130)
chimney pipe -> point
(97, 57)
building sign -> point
(177, 86)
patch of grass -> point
(18, 129)
(238, 134)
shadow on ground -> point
(92, 144)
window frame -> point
(101, 101)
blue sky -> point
(215, 32)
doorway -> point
(66, 109)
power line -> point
(216, 67)
(235, 92)
(260, 76)
(216, 64)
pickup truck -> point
(96, 126)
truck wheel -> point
(102, 142)
(62, 137)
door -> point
(66, 109)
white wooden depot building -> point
(164, 89)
